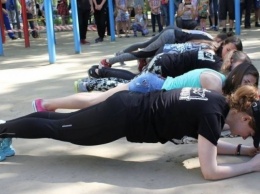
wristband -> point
(238, 149)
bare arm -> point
(180, 10)
(95, 3)
(4, 11)
(210, 168)
(102, 3)
(230, 149)
(91, 6)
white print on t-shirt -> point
(193, 94)
(185, 140)
(183, 47)
(205, 56)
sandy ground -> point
(46, 166)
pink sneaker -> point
(37, 106)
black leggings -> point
(167, 36)
(99, 124)
(118, 73)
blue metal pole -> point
(75, 22)
(50, 31)
(111, 20)
(237, 16)
(171, 12)
(1, 43)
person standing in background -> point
(10, 7)
(100, 15)
(203, 7)
(30, 13)
(63, 11)
(213, 14)
(257, 12)
(7, 22)
(131, 12)
(85, 7)
(224, 8)
(122, 17)
(165, 12)
(247, 6)
(156, 14)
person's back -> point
(176, 64)
(173, 114)
(191, 79)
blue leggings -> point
(8, 26)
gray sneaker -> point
(80, 86)
(122, 63)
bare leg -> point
(223, 24)
(80, 100)
(231, 24)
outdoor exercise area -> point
(43, 166)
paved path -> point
(46, 166)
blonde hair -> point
(241, 100)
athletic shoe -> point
(104, 63)
(7, 147)
(92, 72)
(97, 40)
(141, 64)
(2, 154)
(37, 106)
(80, 86)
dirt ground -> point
(46, 166)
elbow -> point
(210, 175)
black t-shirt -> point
(177, 64)
(176, 114)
